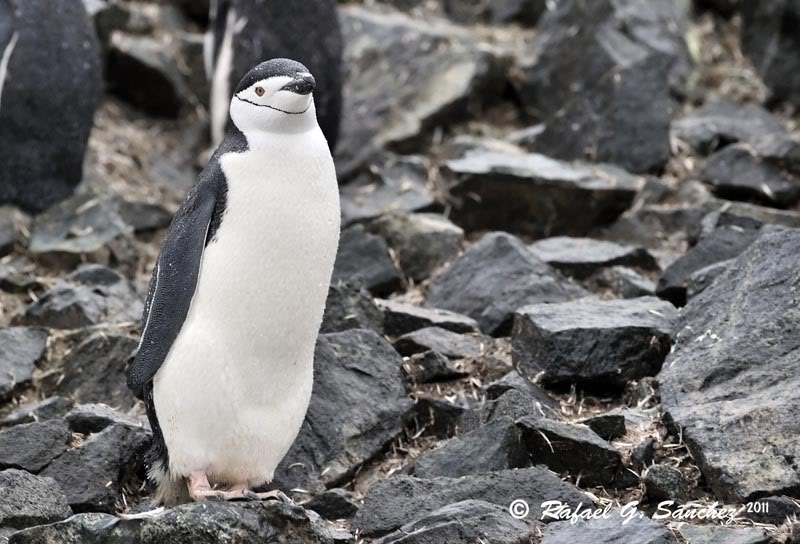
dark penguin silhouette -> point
(246, 32)
(50, 86)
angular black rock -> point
(438, 418)
(403, 117)
(48, 107)
(729, 384)
(770, 40)
(422, 242)
(399, 500)
(334, 503)
(364, 259)
(20, 349)
(721, 122)
(92, 295)
(27, 500)
(624, 282)
(536, 195)
(348, 307)
(442, 341)
(33, 446)
(738, 173)
(465, 522)
(494, 278)
(401, 318)
(701, 279)
(600, 90)
(575, 450)
(665, 483)
(394, 184)
(431, 366)
(492, 447)
(607, 426)
(194, 523)
(358, 405)
(514, 381)
(642, 455)
(95, 371)
(581, 257)
(609, 530)
(595, 343)
(722, 244)
(92, 473)
(43, 410)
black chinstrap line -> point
(274, 108)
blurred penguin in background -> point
(244, 33)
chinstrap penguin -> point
(236, 298)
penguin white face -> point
(275, 96)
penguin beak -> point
(303, 83)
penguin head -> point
(275, 96)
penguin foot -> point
(275, 495)
(241, 492)
(200, 489)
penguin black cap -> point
(303, 81)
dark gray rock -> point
(725, 383)
(20, 349)
(27, 500)
(592, 342)
(334, 504)
(774, 510)
(609, 530)
(442, 341)
(665, 483)
(194, 523)
(607, 426)
(93, 418)
(722, 244)
(624, 282)
(422, 242)
(710, 534)
(364, 259)
(438, 418)
(494, 278)
(43, 410)
(92, 295)
(393, 184)
(12, 223)
(144, 216)
(514, 404)
(535, 195)
(771, 43)
(401, 318)
(643, 454)
(465, 522)
(738, 173)
(392, 503)
(95, 371)
(575, 450)
(492, 447)
(403, 117)
(48, 105)
(525, 12)
(581, 257)
(349, 307)
(514, 381)
(431, 366)
(598, 90)
(654, 226)
(701, 279)
(721, 122)
(92, 473)
(33, 446)
(144, 72)
(358, 406)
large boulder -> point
(27, 500)
(494, 278)
(536, 195)
(730, 384)
(599, 76)
(359, 404)
(770, 39)
(50, 85)
(445, 75)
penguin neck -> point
(268, 141)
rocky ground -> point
(569, 271)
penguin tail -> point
(169, 491)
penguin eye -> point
(260, 91)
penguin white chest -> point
(234, 389)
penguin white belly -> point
(234, 389)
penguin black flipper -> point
(174, 279)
